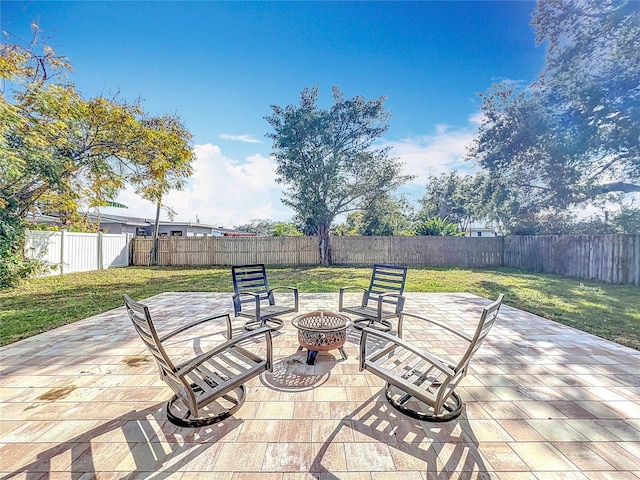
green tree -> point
(592, 74)
(436, 226)
(455, 197)
(13, 264)
(61, 152)
(351, 226)
(628, 220)
(615, 215)
(326, 159)
(258, 226)
(570, 138)
(386, 215)
(286, 229)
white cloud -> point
(229, 192)
(439, 152)
(222, 191)
(239, 138)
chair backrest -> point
(141, 319)
(386, 279)
(487, 319)
(250, 278)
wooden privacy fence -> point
(611, 258)
(228, 250)
(419, 251)
(410, 251)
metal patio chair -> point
(208, 387)
(379, 303)
(420, 384)
(254, 299)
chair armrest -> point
(342, 290)
(433, 322)
(284, 286)
(294, 290)
(434, 360)
(198, 322)
(256, 296)
(383, 296)
(187, 367)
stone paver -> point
(542, 401)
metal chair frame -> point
(420, 384)
(209, 387)
(385, 290)
(254, 299)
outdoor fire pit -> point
(321, 331)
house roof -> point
(144, 222)
(135, 221)
(40, 218)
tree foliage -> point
(286, 229)
(60, 152)
(13, 265)
(386, 215)
(270, 228)
(327, 161)
(436, 226)
(258, 226)
(455, 197)
(571, 137)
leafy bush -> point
(14, 266)
(437, 226)
(286, 229)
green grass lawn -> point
(609, 311)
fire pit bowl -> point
(321, 331)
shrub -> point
(14, 266)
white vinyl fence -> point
(67, 252)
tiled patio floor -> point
(543, 401)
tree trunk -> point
(324, 246)
(153, 257)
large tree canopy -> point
(454, 197)
(61, 152)
(327, 161)
(572, 136)
(386, 215)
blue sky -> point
(220, 65)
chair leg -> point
(399, 401)
(179, 414)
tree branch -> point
(623, 187)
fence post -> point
(129, 249)
(62, 252)
(100, 252)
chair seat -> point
(267, 311)
(369, 312)
(224, 372)
(413, 384)
(217, 387)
